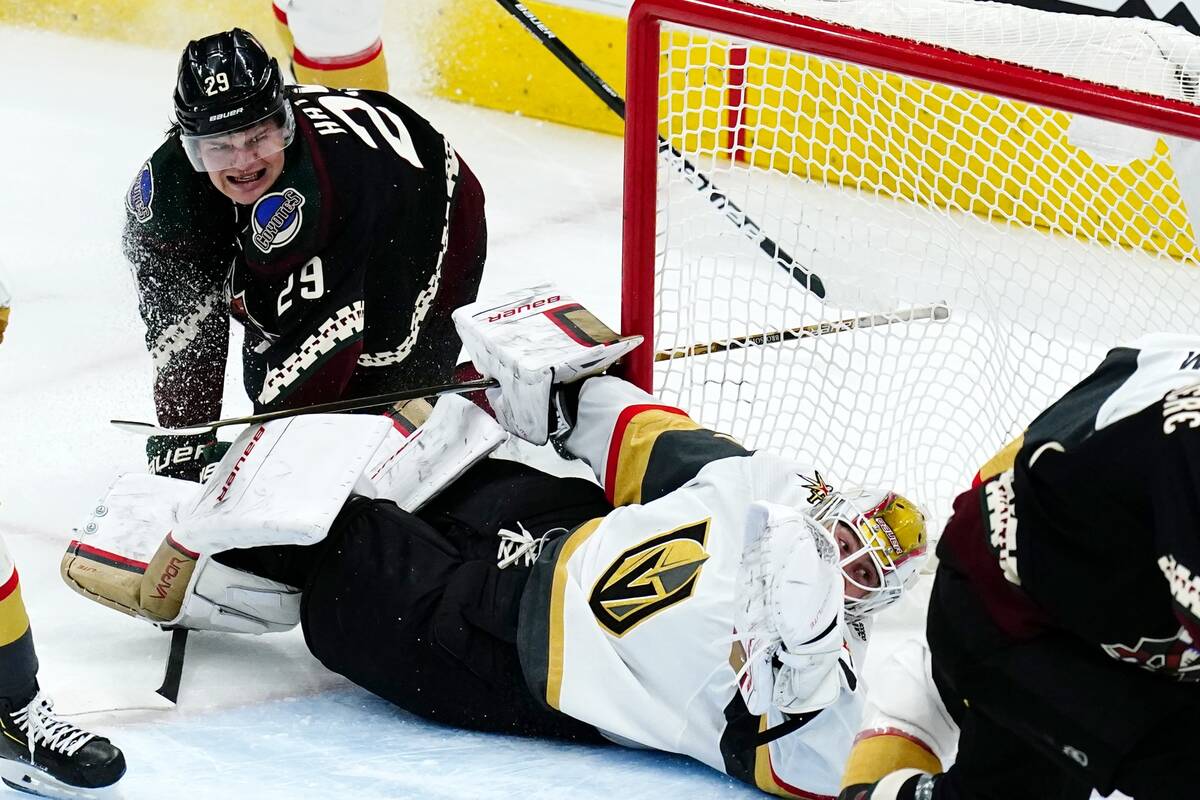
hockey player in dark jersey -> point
(338, 227)
(1064, 626)
(702, 599)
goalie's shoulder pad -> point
(904, 700)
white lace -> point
(42, 728)
(759, 646)
(519, 545)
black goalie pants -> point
(1050, 717)
(416, 609)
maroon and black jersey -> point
(1097, 522)
(344, 273)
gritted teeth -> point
(251, 178)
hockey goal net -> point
(990, 197)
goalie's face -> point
(881, 544)
(861, 571)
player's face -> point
(861, 574)
(244, 165)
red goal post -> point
(741, 25)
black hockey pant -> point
(1048, 718)
(416, 610)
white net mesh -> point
(1050, 238)
(1134, 54)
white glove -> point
(790, 607)
(528, 341)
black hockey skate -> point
(43, 755)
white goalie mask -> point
(889, 530)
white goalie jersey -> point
(629, 622)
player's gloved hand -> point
(789, 611)
(529, 341)
(182, 457)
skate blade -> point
(32, 781)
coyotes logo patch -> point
(650, 577)
(141, 194)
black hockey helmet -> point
(228, 82)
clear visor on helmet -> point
(872, 579)
(241, 148)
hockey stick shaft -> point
(700, 182)
(937, 313)
(352, 404)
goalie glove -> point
(789, 614)
(530, 340)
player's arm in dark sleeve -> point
(1175, 495)
(461, 258)
(424, 269)
(181, 302)
(639, 448)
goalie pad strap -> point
(174, 671)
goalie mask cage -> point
(992, 197)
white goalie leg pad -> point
(791, 608)
(112, 550)
(126, 557)
(221, 598)
(410, 469)
(145, 549)
(284, 482)
(528, 341)
(905, 701)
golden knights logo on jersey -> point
(818, 487)
(649, 577)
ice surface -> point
(257, 716)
